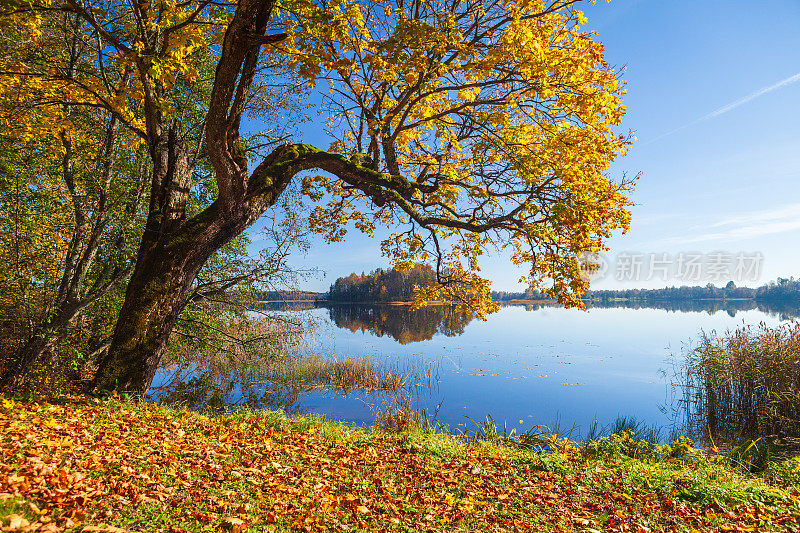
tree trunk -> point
(153, 301)
(174, 249)
(157, 293)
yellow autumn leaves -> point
(39, 81)
(502, 117)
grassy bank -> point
(86, 465)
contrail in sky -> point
(724, 109)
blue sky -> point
(714, 101)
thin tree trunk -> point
(73, 295)
(37, 345)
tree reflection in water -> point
(284, 366)
(400, 322)
(782, 310)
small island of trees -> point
(381, 285)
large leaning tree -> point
(464, 125)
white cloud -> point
(790, 211)
(747, 226)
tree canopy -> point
(489, 124)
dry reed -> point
(746, 383)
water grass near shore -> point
(745, 384)
(312, 371)
(82, 464)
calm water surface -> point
(548, 365)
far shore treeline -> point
(393, 285)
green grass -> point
(15, 506)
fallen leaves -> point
(233, 524)
(114, 467)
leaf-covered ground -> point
(85, 465)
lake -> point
(536, 364)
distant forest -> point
(395, 286)
(289, 296)
(783, 290)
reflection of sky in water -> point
(541, 366)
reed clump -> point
(746, 383)
(310, 371)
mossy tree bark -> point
(156, 295)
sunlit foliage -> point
(467, 127)
(492, 125)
